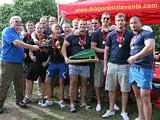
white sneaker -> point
(85, 106)
(61, 104)
(124, 116)
(116, 107)
(72, 108)
(98, 107)
(139, 118)
(108, 114)
(47, 103)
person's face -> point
(95, 24)
(75, 24)
(105, 20)
(52, 21)
(135, 24)
(66, 28)
(120, 22)
(39, 28)
(82, 26)
(89, 25)
(30, 27)
(17, 24)
(56, 30)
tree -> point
(31, 10)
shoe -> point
(98, 107)
(85, 106)
(47, 103)
(1, 110)
(27, 99)
(61, 104)
(124, 116)
(116, 107)
(138, 118)
(21, 104)
(108, 114)
(42, 102)
(72, 108)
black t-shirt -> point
(119, 55)
(75, 46)
(55, 53)
(27, 39)
(97, 37)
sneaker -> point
(21, 104)
(98, 107)
(42, 102)
(47, 103)
(124, 116)
(108, 114)
(85, 106)
(138, 118)
(61, 104)
(72, 108)
(116, 107)
(27, 99)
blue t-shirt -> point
(55, 54)
(119, 55)
(140, 38)
(10, 52)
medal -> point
(120, 38)
(132, 47)
(103, 42)
(82, 42)
(120, 45)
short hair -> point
(135, 17)
(14, 17)
(106, 13)
(29, 22)
(119, 15)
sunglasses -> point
(94, 23)
(106, 18)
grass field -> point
(35, 112)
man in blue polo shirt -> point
(141, 70)
(118, 47)
(12, 56)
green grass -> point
(55, 113)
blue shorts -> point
(55, 70)
(141, 76)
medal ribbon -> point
(82, 42)
(120, 37)
(54, 44)
(105, 34)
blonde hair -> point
(13, 18)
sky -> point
(61, 1)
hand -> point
(66, 60)
(35, 48)
(156, 57)
(131, 59)
(44, 64)
(33, 58)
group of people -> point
(125, 58)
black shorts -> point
(34, 71)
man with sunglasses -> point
(11, 65)
(98, 44)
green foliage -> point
(156, 29)
(31, 10)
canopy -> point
(147, 10)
